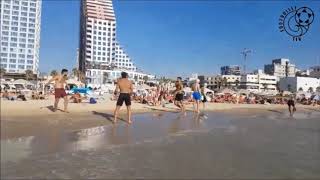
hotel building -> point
(280, 68)
(20, 35)
(99, 51)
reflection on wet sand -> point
(220, 145)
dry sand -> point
(25, 118)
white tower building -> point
(20, 35)
(99, 51)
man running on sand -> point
(59, 92)
(291, 103)
(126, 89)
(178, 101)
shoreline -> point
(20, 119)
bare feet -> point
(129, 122)
(66, 111)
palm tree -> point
(136, 78)
(225, 82)
(105, 77)
(145, 78)
(53, 73)
(75, 72)
(300, 89)
(81, 76)
(318, 89)
(29, 74)
(237, 83)
(2, 72)
(310, 89)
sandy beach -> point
(26, 118)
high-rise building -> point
(99, 51)
(230, 70)
(280, 68)
(20, 35)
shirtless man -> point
(291, 103)
(126, 88)
(178, 93)
(196, 95)
(59, 92)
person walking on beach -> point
(126, 88)
(178, 94)
(203, 97)
(59, 91)
(291, 103)
(196, 95)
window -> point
(20, 66)
(13, 61)
(29, 67)
(23, 24)
(21, 56)
(30, 61)
(30, 57)
(12, 66)
(30, 46)
(22, 45)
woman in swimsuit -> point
(203, 98)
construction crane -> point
(245, 53)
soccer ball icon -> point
(304, 16)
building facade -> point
(20, 22)
(315, 71)
(280, 68)
(258, 82)
(99, 51)
(230, 70)
(218, 81)
(294, 84)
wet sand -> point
(19, 119)
(241, 143)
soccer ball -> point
(304, 16)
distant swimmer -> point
(126, 88)
(59, 91)
(291, 106)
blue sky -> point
(182, 37)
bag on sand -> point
(92, 101)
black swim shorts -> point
(179, 97)
(124, 97)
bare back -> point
(124, 85)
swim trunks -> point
(196, 95)
(124, 97)
(179, 97)
(290, 102)
(59, 93)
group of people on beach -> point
(124, 90)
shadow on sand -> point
(107, 116)
(276, 111)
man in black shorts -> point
(126, 89)
(291, 103)
(178, 100)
